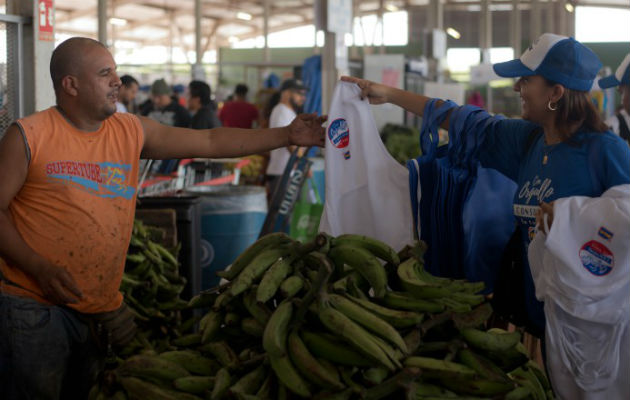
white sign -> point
(339, 16)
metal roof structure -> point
(165, 22)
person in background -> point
(239, 113)
(620, 122)
(291, 100)
(201, 106)
(127, 94)
(68, 188)
(164, 109)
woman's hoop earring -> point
(554, 108)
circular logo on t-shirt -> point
(339, 133)
(596, 258)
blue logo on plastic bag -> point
(339, 133)
(596, 258)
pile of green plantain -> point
(151, 287)
(342, 317)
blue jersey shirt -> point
(586, 165)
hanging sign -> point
(45, 20)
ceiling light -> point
(118, 21)
(244, 16)
(391, 8)
(569, 7)
(453, 33)
(233, 39)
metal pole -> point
(381, 7)
(550, 25)
(515, 28)
(102, 21)
(198, 51)
(267, 12)
(535, 25)
(485, 32)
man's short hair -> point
(200, 89)
(128, 80)
(63, 60)
(241, 90)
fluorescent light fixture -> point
(118, 21)
(569, 7)
(453, 33)
(233, 39)
(244, 16)
(391, 8)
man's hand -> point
(306, 130)
(375, 92)
(56, 283)
(545, 208)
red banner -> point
(45, 20)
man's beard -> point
(296, 107)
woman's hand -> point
(375, 92)
(545, 208)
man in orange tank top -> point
(68, 184)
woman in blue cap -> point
(620, 122)
(560, 147)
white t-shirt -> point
(281, 115)
(120, 107)
(613, 122)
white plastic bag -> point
(367, 190)
(581, 270)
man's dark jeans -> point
(46, 352)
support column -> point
(267, 13)
(329, 69)
(32, 81)
(515, 28)
(485, 31)
(550, 21)
(570, 18)
(381, 9)
(435, 14)
(535, 24)
(197, 70)
(102, 21)
(171, 46)
(561, 18)
(198, 51)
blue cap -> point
(559, 59)
(620, 77)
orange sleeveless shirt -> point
(77, 205)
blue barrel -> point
(231, 219)
(317, 168)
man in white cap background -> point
(560, 148)
(291, 100)
(620, 122)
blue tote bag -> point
(462, 210)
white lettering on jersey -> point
(538, 189)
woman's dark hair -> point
(200, 89)
(575, 108)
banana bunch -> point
(320, 320)
(255, 166)
(151, 286)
